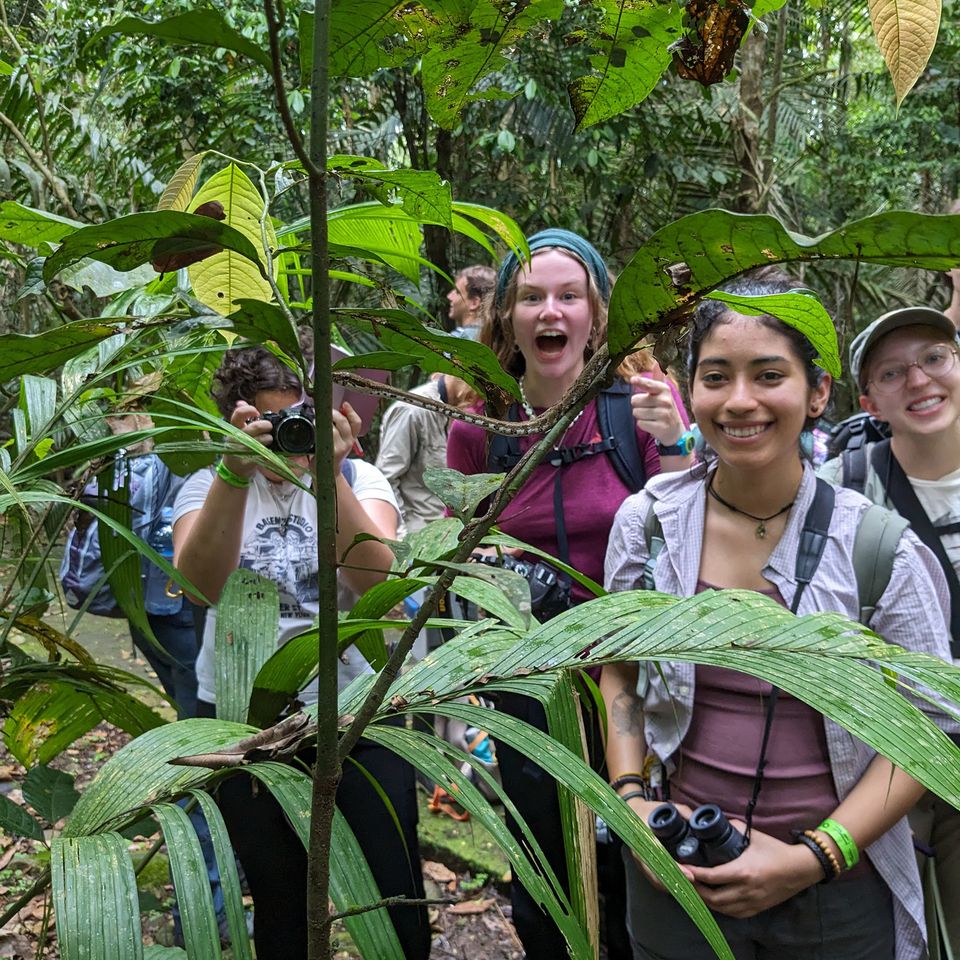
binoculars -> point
(705, 840)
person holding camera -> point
(245, 515)
(545, 320)
(804, 849)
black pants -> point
(275, 860)
(534, 793)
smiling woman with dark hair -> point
(801, 888)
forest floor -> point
(461, 863)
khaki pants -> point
(936, 826)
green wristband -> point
(230, 478)
(839, 834)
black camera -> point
(705, 840)
(549, 588)
(293, 429)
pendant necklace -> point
(761, 530)
(531, 415)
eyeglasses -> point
(935, 361)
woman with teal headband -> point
(828, 870)
(546, 319)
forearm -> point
(367, 563)
(882, 796)
(207, 542)
(626, 748)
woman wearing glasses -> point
(905, 365)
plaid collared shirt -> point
(910, 614)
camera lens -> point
(296, 435)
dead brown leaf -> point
(437, 872)
(468, 907)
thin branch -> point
(390, 902)
(276, 62)
(55, 184)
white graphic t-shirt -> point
(940, 500)
(279, 543)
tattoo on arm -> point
(627, 714)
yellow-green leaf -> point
(180, 189)
(223, 279)
(906, 33)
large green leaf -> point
(802, 311)
(422, 194)
(206, 28)
(502, 226)
(128, 242)
(38, 400)
(399, 332)
(358, 31)
(21, 224)
(95, 898)
(461, 493)
(633, 41)
(50, 792)
(464, 44)
(222, 280)
(570, 770)
(140, 773)
(54, 713)
(190, 882)
(248, 623)
(695, 254)
(45, 352)
(179, 191)
(262, 322)
(16, 821)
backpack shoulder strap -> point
(503, 453)
(854, 460)
(615, 420)
(874, 549)
(813, 538)
(653, 537)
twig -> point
(276, 62)
(37, 161)
(390, 902)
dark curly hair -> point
(245, 371)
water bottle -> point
(159, 586)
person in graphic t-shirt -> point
(243, 515)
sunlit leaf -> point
(179, 191)
(906, 32)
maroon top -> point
(717, 761)
(592, 491)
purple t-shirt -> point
(592, 491)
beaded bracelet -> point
(637, 779)
(817, 851)
(840, 835)
(633, 794)
(828, 853)
(230, 478)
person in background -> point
(471, 285)
(829, 869)
(905, 366)
(243, 515)
(413, 439)
(547, 318)
(953, 308)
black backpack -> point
(618, 434)
(855, 433)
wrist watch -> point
(682, 448)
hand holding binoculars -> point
(707, 839)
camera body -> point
(293, 429)
(549, 588)
(705, 840)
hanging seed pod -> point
(713, 31)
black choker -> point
(761, 530)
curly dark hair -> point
(245, 371)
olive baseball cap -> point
(903, 317)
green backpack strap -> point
(653, 538)
(874, 549)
